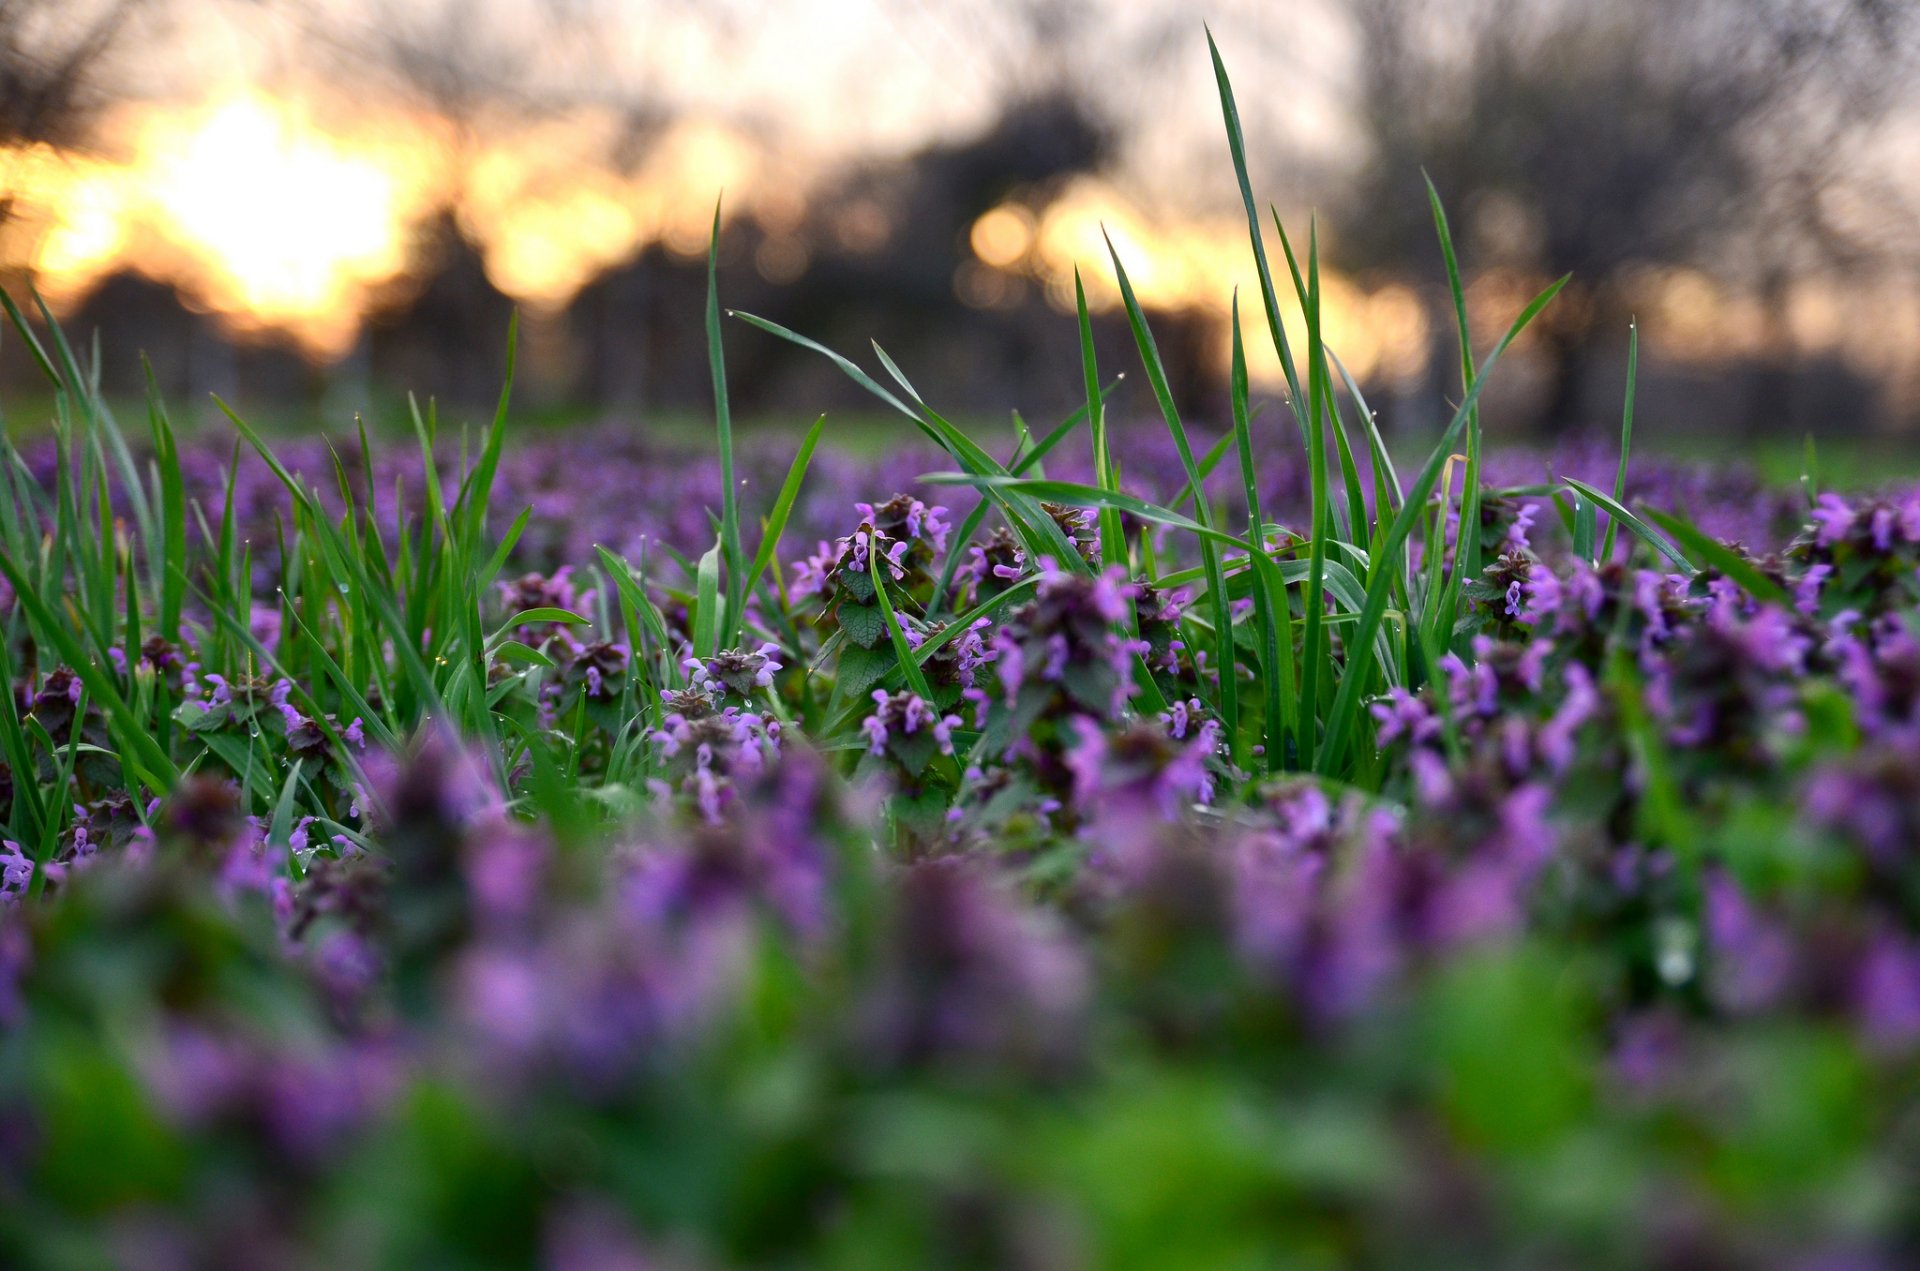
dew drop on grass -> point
(1675, 961)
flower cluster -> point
(705, 747)
(1602, 946)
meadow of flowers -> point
(1152, 847)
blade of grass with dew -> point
(1042, 525)
(706, 604)
(1584, 521)
(623, 576)
(896, 632)
(1316, 645)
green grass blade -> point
(173, 512)
(1637, 527)
(1722, 558)
(1035, 528)
(1467, 550)
(1113, 539)
(131, 736)
(1269, 298)
(1626, 436)
(897, 634)
(1347, 701)
(776, 524)
(478, 486)
(1225, 661)
(735, 555)
(1275, 621)
(706, 606)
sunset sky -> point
(276, 160)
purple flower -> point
(1753, 957)
(1832, 518)
(1806, 590)
(16, 872)
(900, 718)
(970, 977)
(1887, 994)
(1401, 714)
(735, 670)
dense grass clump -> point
(1145, 850)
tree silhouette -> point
(1590, 139)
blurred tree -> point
(49, 52)
(1569, 136)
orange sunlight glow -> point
(1380, 330)
(553, 213)
(1194, 265)
(245, 204)
(300, 215)
(280, 216)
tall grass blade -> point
(1626, 436)
(1113, 540)
(736, 557)
(1225, 661)
(1346, 704)
(1275, 622)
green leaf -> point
(515, 651)
(544, 613)
(1113, 540)
(630, 591)
(498, 561)
(1275, 622)
(860, 668)
(865, 625)
(1269, 299)
(1036, 529)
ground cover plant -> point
(1170, 849)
